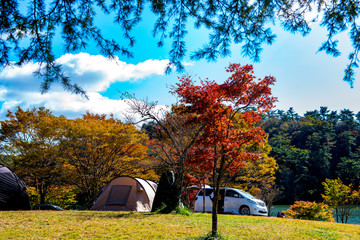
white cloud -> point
(9, 105)
(14, 71)
(19, 87)
(75, 105)
(96, 73)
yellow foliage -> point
(62, 196)
(342, 197)
(310, 211)
(100, 148)
(30, 138)
(255, 177)
(48, 151)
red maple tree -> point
(227, 114)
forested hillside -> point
(308, 149)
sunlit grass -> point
(125, 225)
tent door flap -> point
(118, 195)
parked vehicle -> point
(47, 207)
(231, 201)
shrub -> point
(183, 210)
(310, 211)
(341, 197)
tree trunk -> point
(179, 182)
(269, 206)
(42, 193)
(204, 197)
(214, 229)
(337, 214)
(217, 179)
(217, 176)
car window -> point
(232, 193)
(208, 191)
(247, 195)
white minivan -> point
(231, 201)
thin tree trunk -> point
(204, 197)
(214, 227)
(217, 176)
(179, 183)
(214, 230)
(217, 179)
(42, 194)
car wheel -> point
(244, 210)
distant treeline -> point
(308, 149)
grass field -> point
(125, 225)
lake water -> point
(354, 218)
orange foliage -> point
(227, 114)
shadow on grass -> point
(137, 215)
(207, 237)
(86, 215)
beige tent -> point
(127, 194)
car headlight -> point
(252, 202)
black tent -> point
(13, 195)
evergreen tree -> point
(28, 29)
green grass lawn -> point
(125, 225)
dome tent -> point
(13, 195)
(126, 194)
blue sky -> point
(306, 79)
